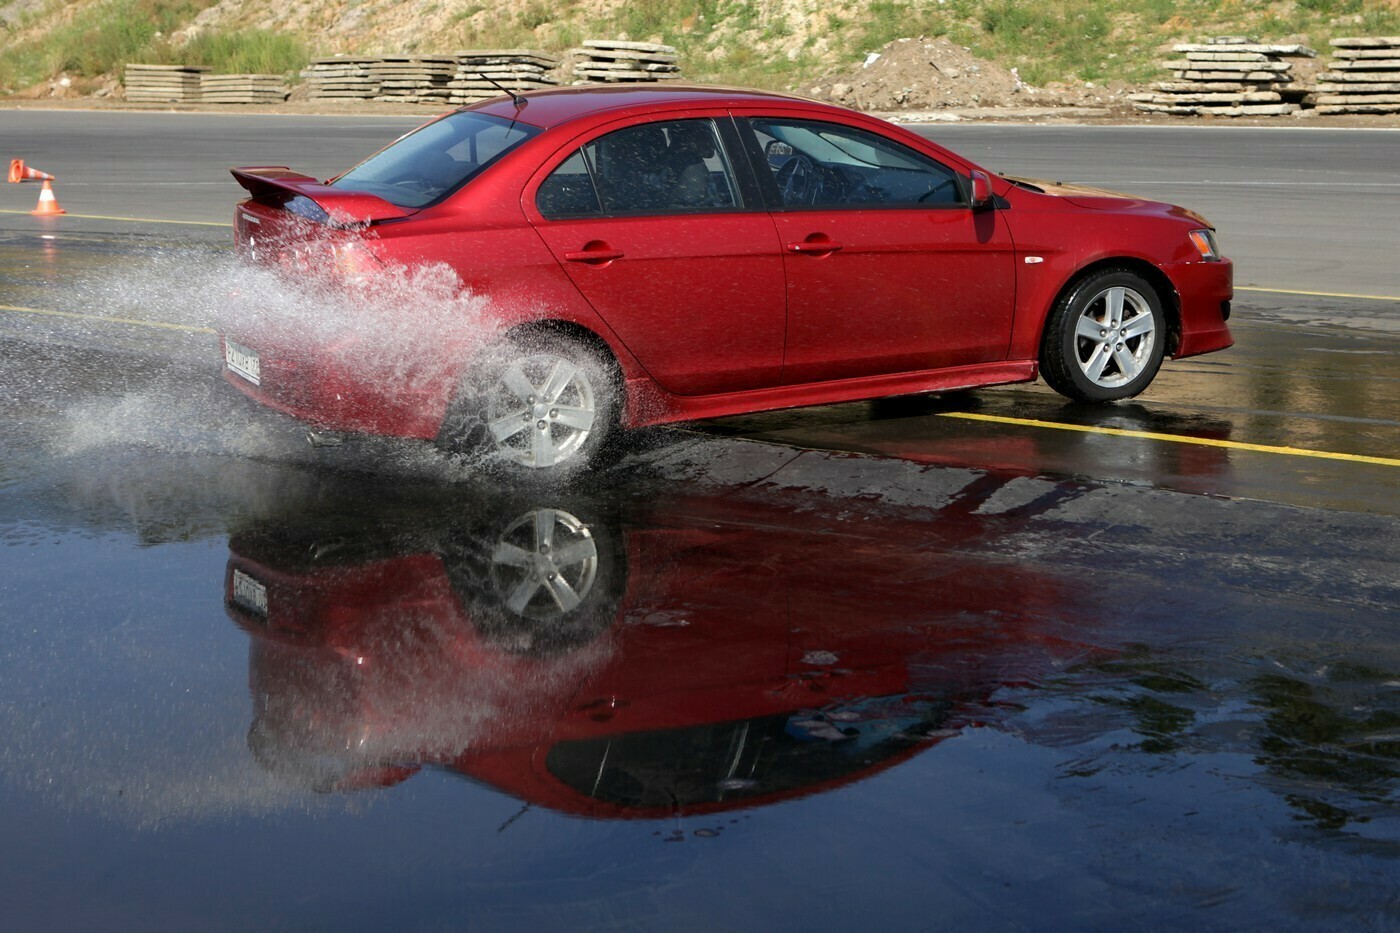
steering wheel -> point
(945, 183)
(795, 178)
(417, 184)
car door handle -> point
(814, 246)
(593, 255)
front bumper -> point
(1205, 290)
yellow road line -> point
(136, 220)
(162, 325)
(1294, 291)
(1172, 438)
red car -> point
(678, 655)
(662, 254)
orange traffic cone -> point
(20, 172)
(48, 204)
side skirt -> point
(648, 404)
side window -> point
(827, 165)
(569, 191)
(655, 168)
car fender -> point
(1057, 243)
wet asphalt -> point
(875, 662)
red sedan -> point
(641, 256)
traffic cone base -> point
(48, 204)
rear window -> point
(430, 163)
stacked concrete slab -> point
(616, 62)
(1363, 76)
(1229, 76)
(341, 78)
(414, 79)
(513, 69)
(242, 89)
(162, 84)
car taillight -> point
(354, 263)
(346, 262)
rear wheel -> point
(1105, 340)
(542, 405)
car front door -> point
(674, 250)
(888, 268)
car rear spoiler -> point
(342, 207)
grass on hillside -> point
(1046, 40)
(101, 39)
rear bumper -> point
(1205, 290)
(327, 396)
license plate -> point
(243, 361)
(249, 593)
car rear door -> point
(888, 268)
(665, 234)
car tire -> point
(538, 406)
(1106, 338)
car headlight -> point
(1204, 241)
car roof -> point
(552, 107)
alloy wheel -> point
(1114, 337)
(541, 410)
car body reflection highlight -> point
(688, 656)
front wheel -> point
(1106, 339)
(541, 405)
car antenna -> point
(517, 99)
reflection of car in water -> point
(698, 654)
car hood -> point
(1102, 198)
(1061, 189)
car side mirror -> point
(981, 191)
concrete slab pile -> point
(616, 62)
(513, 69)
(414, 79)
(163, 84)
(242, 89)
(1362, 77)
(341, 78)
(1230, 76)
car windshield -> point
(430, 163)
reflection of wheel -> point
(544, 565)
(1104, 340)
(544, 405)
(547, 583)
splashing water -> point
(404, 330)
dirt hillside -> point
(931, 74)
